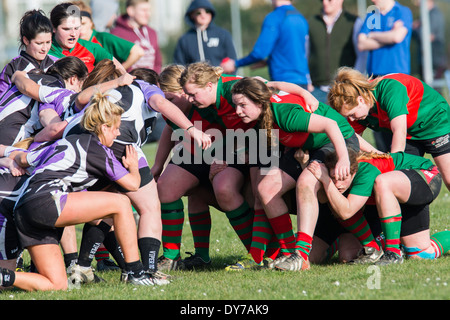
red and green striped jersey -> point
(292, 120)
(224, 111)
(369, 170)
(90, 53)
(427, 112)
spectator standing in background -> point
(437, 38)
(133, 26)
(332, 44)
(386, 35)
(282, 41)
(204, 41)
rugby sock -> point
(303, 244)
(273, 248)
(201, 230)
(172, 215)
(113, 247)
(91, 240)
(70, 259)
(149, 249)
(282, 227)
(241, 219)
(332, 249)
(7, 277)
(441, 242)
(102, 253)
(359, 227)
(261, 235)
(135, 268)
(391, 227)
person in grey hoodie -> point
(205, 41)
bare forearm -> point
(170, 111)
(135, 54)
(51, 132)
(398, 142)
(399, 132)
(337, 200)
(367, 44)
(337, 139)
(26, 86)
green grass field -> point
(416, 280)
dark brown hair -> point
(258, 92)
(32, 23)
(104, 71)
(68, 67)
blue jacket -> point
(282, 41)
(211, 45)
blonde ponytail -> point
(348, 85)
(200, 73)
(100, 111)
(169, 78)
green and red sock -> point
(391, 227)
(332, 249)
(441, 242)
(172, 215)
(201, 231)
(282, 227)
(241, 219)
(261, 235)
(102, 253)
(273, 248)
(303, 244)
(359, 227)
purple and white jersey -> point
(19, 114)
(23, 62)
(61, 100)
(10, 188)
(72, 164)
(137, 120)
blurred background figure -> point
(133, 26)
(437, 37)
(282, 41)
(204, 41)
(332, 44)
(386, 35)
(104, 13)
